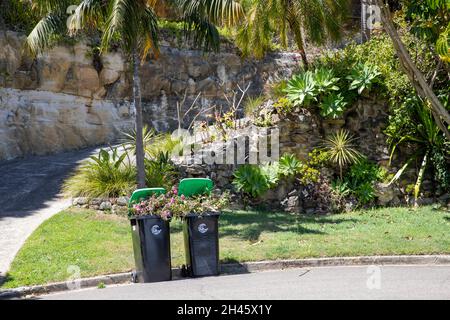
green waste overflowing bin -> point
(151, 242)
(201, 232)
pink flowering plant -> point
(171, 205)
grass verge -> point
(96, 244)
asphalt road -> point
(30, 194)
(356, 282)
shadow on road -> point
(28, 184)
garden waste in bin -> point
(201, 234)
(151, 242)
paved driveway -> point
(356, 282)
(29, 194)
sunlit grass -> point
(101, 244)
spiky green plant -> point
(129, 139)
(252, 104)
(428, 140)
(301, 89)
(160, 172)
(289, 165)
(110, 174)
(362, 77)
(341, 149)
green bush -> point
(18, 15)
(160, 172)
(359, 181)
(110, 174)
(251, 180)
(283, 106)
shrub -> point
(318, 158)
(308, 175)
(110, 174)
(264, 119)
(251, 181)
(283, 106)
(160, 172)
(359, 181)
(325, 81)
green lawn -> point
(100, 244)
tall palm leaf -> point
(318, 19)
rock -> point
(95, 201)
(207, 87)
(105, 206)
(80, 201)
(291, 204)
(108, 76)
(385, 193)
(122, 201)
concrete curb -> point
(234, 268)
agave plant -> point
(301, 89)
(325, 80)
(362, 77)
(289, 165)
(333, 106)
(341, 149)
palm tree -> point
(317, 19)
(135, 25)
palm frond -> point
(88, 13)
(40, 37)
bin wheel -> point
(134, 277)
(184, 272)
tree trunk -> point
(298, 36)
(139, 127)
(414, 74)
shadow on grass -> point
(248, 225)
(4, 279)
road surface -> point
(30, 194)
(355, 282)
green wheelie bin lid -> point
(141, 194)
(195, 186)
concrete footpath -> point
(30, 194)
(341, 282)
